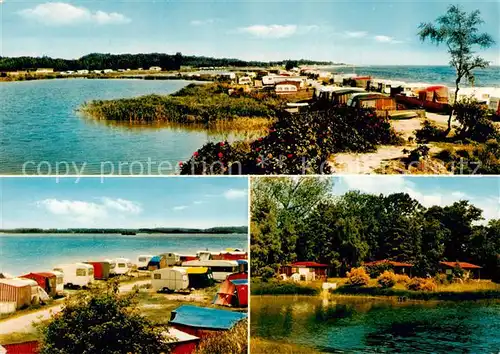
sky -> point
(481, 191)
(189, 202)
(369, 32)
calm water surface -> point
(37, 252)
(355, 325)
(39, 123)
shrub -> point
(402, 279)
(387, 279)
(443, 279)
(429, 132)
(474, 122)
(376, 270)
(478, 159)
(234, 341)
(101, 321)
(267, 273)
(299, 144)
(278, 287)
(422, 284)
(358, 277)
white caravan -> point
(59, 282)
(119, 266)
(143, 260)
(76, 274)
(220, 269)
(169, 279)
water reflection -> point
(372, 325)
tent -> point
(233, 293)
(157, 262)
(203, 321)
(200, 277)
(101, 269)
(243, 264)
(17, 291)
(47, 281)
(30, 347)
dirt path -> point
(24, 323)
(353, 163)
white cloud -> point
(277, 31)
(198, 202)
(355, 34)
(88, 212)
(235, 193)
(60, 14)
(386, 39)
(202, 22)
(180, 207)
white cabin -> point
(76, 274)
(220, 269)
(143, 260)
(169, 279)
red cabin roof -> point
(463, 265)
(309, 265)
(386, 261)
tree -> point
(459, 31)
(100, 321)
(290, 64)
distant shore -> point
(211, 231)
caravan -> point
(220, 269)
(59, 282)
(76, 274)
(143, 260)
(119, 266)
(169, 280)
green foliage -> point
(418, 153)
(299, 144)
(387, 279)
(481, 159)
(100, 321)
(203, 104)
(357, 277)
(290, 64)
(429, 132)
(304, 222)
(234, 341)
(267, 273)
(474, 121)
(276, 287)
(376, 270)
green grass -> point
(276, 287)
(205, 104)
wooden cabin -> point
(471, 270)
(397, 267)
(307, 271)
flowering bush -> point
(387, 279)
(422, 284)
(299, 144)
(402, 279)
(358, 277)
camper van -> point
(169, 280)
(172, 259)
(220, 269)
(59, 282)
(119, 266)
(143, 260)
(76, 274)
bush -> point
(429, 132)
(422, 284)
(474, 121)
(101, 321)
(443, 279)
(358, 277)
(234, 341)
(267, 273)
(299, 144)
(387, 279)
(278, 287)
(402, 279)
(376, 270)
(478, 159)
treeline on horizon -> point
(300, 220)
(160, 230)
(100, 61)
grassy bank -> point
(202, 104)
(262, 346)
(276, 287)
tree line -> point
(300, 220)
(161, 230)
(100, 61)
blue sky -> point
(358, 32)
(123, 202)
(482, 191)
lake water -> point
(39, 123)
(37, 252)
(444, 75)
(359, 325)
